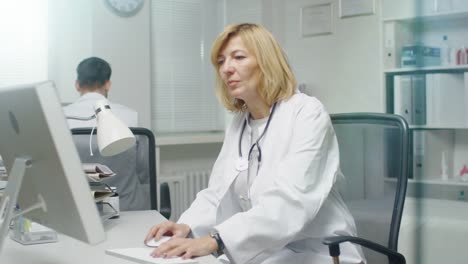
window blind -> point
(23, 45)
(183, 99)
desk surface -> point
(127, 231)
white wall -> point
(342, 69)
(125, 43)
(80, 29)
(70, 41)
(273, 18)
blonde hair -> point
(277, 81)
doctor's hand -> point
(168, 228)
(186, 247)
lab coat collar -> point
(247, 113)
(91, 96)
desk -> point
(127, 231)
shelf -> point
(445, 16)
(416, 127)
(189, 138)
(451, 69)
(427, 29)
(449, 182)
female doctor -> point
(271, 196)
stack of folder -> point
(446, 100)
(410, 98)
(3, 172)
(437, 100)
(96, 172)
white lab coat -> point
(295, 202)
(84, 107)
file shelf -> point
(433, 69)
(437, 17)
(435, 127)
(438, 112)
(449, 182)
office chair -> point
(135, 169)
(374, 151)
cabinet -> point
(429, 90)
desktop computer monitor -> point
(43, 165)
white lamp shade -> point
(113, 136)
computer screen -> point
(35, 137)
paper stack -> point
(3, 172)
(95, 172)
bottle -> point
(465, 51)
(444, 167)
(461, 56)
(445, 51)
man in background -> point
(93, 84)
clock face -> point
(125, 8)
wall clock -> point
(125, 8)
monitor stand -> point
(10, 197)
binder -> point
(418, 99)
(410, 98)
(402, 97)
(390, 56)
(394, 34)
(446, 105)
(419, 148)
(432, 99)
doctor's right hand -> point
(168, 228)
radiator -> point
(184, 187)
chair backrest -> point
(135, 168)
(374, 151)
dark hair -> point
(93, 73)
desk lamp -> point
(113, 136)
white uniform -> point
(131, 198)
(294, 202)
(84, 107)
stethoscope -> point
(243, 164)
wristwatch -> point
(215, 235)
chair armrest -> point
(333, 244)
(165, 203)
